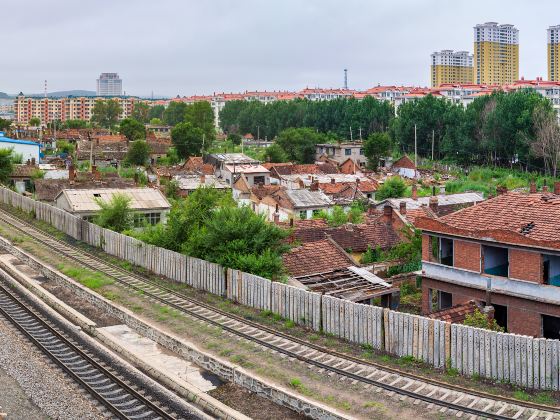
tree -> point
(106, 113)
(156, 111)
(299, 144)
(187, 139)
(132, 129)
(481, 320)
(156, 121)
(65, 147)
(6, 165)
(234, 138)
(75, 124)
(274, 153)
(238, 238)
(547, 138)
(393, 187)
(138, 153)
(376, 146)
(5, 124)
(141, 112)
(115, 214)
(201, 115)
(34, 122)
(174, 113)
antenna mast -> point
(45, 88)
(346, 79)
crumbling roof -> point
(313, 168)
(307, 198)
(456, 314)
(24, 171)
(192, 182)
(506, 219)
(102, 151)
(315, 257)
(352, 283)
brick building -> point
(505, 252)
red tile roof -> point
(456, 314)
(413, 214)
(315, 257)
(312, 168)
(404, 162)
(514, 217)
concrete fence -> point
(525, 361)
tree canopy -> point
(6, 165)
(156, 111)
(141, 112)
(132, 129)
(393, 187)
(187, 139)
(174, 113)
(376, 146)
(115, 214)
(34, 122)
(106, 113)
(138, 152)
(298, 144)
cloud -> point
(186, 46)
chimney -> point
(97, 141)
(434, 204)
(71, 173)
(442, 189)
(314, 186)
(136, 178)
(333, 181)
(33, 162)
(276, 215)
(291, 222)
(28, 162)
(501, 190)
(414, 192)
(533, 187)
(402, 207)
(371, 210)
(93, 170)
(544, 187)
(557, 188)
(387, 213)
(203, 179)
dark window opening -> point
(550, 327)
(496, 261)
(551, 270)
(258, 180)
(445, 300)
(442, 250)
(500, 315)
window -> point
(496, 260)
(444, 300)
(550, 327)
(347, 152)
(362, 152)
(151, 218)
(316, 212)
(303, 214)
(551, 270)
(258, 180)
(442, 250)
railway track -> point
(448, 398)
(119, 397)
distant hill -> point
(77, 92)
(4, 95)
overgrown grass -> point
(91, 279)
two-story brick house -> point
(504, 251)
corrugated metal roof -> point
(307, 198)
(141, 198)
(233, 158)
(247, 169)
(9, 140)
(192, 182)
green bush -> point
(393, 187)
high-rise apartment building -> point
(450, 66)
(553, 49)
(496, 54)
(109, 84)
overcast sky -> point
(189, 47)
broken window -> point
(442, 250)
(550, 327)
(496, 261)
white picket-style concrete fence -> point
(525, 361)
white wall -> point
(28, 151)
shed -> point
(28, 149)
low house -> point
(345, 193)
(220, 160)
(189, 183)
(148, 204)
(405, 167)
(339, 152)
(23, 175)
(442, 204)
(29, 150)
(102, 154)
(196, 164)
(254, 173)
(323, 267)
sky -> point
(187, 47)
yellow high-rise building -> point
(451, 67)
(496, 54)
(553, 49)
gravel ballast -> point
(48, 388)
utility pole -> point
(258, 132)
(415, 148)
(350, 133)
(433, 135)
(360, 133)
